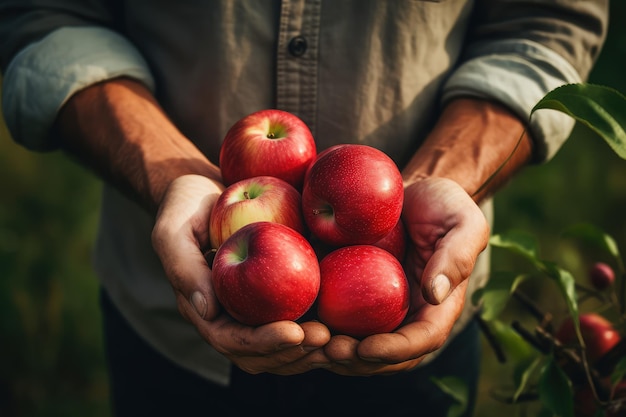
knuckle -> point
(465, 265)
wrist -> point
(118, 130)
(476, 143)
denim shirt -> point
(356, 71)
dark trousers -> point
(144, 383)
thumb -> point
(179, 234)
(454, 257)
(190, 277)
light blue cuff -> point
(518, 74)
(46, 73)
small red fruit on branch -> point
(598, 334)
(601, 275)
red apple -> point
(395, 241)
(352, 194)
(265, 272)
(601, 275)
(254, 199)
(363, 291)
(598, 334)
(320, 155)
(267, 142)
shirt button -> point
(297, 46)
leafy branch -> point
(560, 367)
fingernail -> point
(440, 288)
(198, 302)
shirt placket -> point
(297, 59)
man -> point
(143, 93)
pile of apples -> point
(297, 232)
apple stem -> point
(246, 195)
(271, 135)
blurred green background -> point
(51, 358)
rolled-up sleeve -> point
(43, 75)
(518, 53)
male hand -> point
(180, 238)
(447, 231)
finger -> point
(454, 257)
(344, 353)
(235, 339)
(255, 349)
(309, 354)
(316, 335)
(180, 231)
(342, 349)
(315, 359)
(426, 331)
(190, 278)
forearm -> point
(472, 140)
(118, 129)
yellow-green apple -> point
(266, 272)
(251, 200)
(267, 142)
(598, 333)
(352, 194)
(363, 291)
(601, 275)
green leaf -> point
(525, 244)
(567, 286)
(601, 108)
(594, 236)
(516, 347)
(555, 390)
(496, 293)
(517, 241)
(523, 373)
(457, 389)
(456, 410)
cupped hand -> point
(447, 231)
(181, 238)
